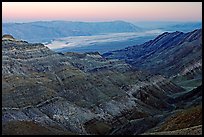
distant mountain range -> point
(44, 31)
(169, 26)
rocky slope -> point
(76, 93)
(182, 121)
(174, 55)
(186, 119)
(196, 130)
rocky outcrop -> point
(7, 37)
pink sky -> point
(101, 11)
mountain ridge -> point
(48, 30)
(161, 49)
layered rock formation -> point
(173, 55)
(76, 93)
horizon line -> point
(170, 21)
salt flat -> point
(82, 41)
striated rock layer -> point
(174, 55)
(76, 93)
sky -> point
(101, 11)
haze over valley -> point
(83, 37)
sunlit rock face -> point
(7, 37)
(74, 93)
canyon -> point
(142, 89)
